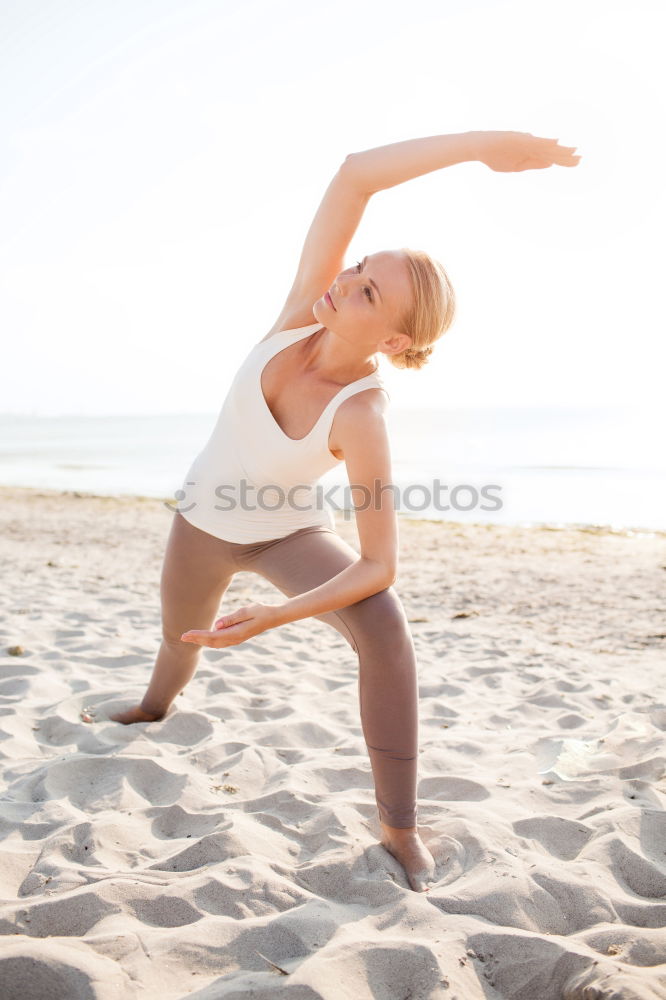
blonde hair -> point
(432, 311)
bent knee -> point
(385, 604)
(380, 614)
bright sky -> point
(161, 163)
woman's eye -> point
(359, 267)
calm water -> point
(538, 465)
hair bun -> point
(419, 352)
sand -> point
(231, 849)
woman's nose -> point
(341, 282)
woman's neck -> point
(333, 358)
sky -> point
(161, 163)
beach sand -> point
(231, 849)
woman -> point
(306, 397)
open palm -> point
(514, 151)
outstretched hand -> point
(513, 151)
(236, 627)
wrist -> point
(475, 145)
(279, 614)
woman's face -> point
(367, 300)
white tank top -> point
(251, 482)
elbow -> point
(381, 574)
(351, 170)
(346, 168)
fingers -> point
(563, 156)
(240, 615)
(191, 636)
(567, 156)
(197, 635)
(214, 639)
(201, 638)
(553, 147)
(556, 141)
(235, 618)
(567, 160)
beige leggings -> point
(198, 568)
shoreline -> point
(590, 528)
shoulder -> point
(360, 421)
(368, 402)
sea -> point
(587, 466)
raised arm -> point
(322, 258)
(364, 173)
(377, 169)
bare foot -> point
(135, 714)
(407, 847)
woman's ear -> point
(396, 344)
